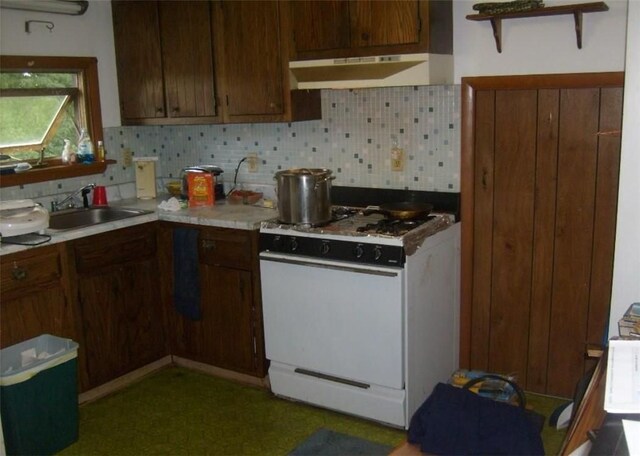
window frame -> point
(88, 85)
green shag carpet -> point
(177, 411)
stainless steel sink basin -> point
(70, 219)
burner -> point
(342, 212)
(393, 227)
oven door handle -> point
(313, 264)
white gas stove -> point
(360, 319)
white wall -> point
(89, 35)
(539, 45)
(626, 268)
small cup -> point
(100, 196)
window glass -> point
(38, 111)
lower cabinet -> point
(116, 274)
(113, 294)
(35, 299)
(229, 333)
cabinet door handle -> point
(208, 244)
(18, 273)
(159, 110)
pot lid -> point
(213, 169)
(293, 172)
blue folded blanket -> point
(456, 421)
(186, 273)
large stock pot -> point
(304, 195)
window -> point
(43, 101)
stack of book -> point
(629, 324)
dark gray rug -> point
(329, 443)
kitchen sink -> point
(70, 219)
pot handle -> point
(321, 180)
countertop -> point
(223, 215)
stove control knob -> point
(277, 243)
(358, 251)
(325, 247)
(293, 244)
(377, 252)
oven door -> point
(334, 320)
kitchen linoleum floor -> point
(177, 411)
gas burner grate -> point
(393, 227)
(342, 212)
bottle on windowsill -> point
(101, 152)
(85, 149)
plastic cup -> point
(100, 196)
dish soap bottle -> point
(85, 148)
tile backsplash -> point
(354, 138)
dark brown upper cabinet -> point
(355, 28)
(164, 55)
(253, 64)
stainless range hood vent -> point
(379, 71)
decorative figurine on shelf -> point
(68, 156)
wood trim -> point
(222, 373)
(466, 214)
(90, 85)
(470, 86)
(52, 172)
(123, 381)
(545, 81)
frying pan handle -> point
(373, 210)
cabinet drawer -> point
(26, 272)
(231, 248)
(115, 247)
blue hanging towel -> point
(186, 286)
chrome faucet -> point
(70, 202)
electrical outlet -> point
(252, 162)
(397, 159)
(127, 157)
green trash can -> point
(39, 395)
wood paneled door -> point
(540, 162)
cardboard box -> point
(201, 187)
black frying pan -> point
(401, 211)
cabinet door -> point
(187, 58)
(122, 320)
(119, 298)
(391, 23)
(321, 25)
(138, 57)
(252, 60)
(34, 300)
(338, 29)
(227, 315)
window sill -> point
(53, 171)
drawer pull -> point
(208, 244)
(18, 272)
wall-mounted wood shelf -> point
(577, 10)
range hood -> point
(378, 71)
